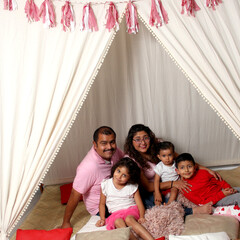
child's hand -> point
(141, 220)
(233, 190)
(228, 191)
(100, 223)
(158, 199)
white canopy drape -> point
(46, 74)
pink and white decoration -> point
(233, 211)
(48, 14)
(67, 19)
(31, 11)
(158, 14)
(112, 17)
(89, 22)
(190, 6)
(10, 5)
(131, 18)
(212, 3)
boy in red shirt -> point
(205, 188)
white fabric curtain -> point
(45, 75)
(207, 49)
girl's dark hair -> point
(133, 169)
(184, 157)
(133, 153)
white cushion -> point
(205, 236)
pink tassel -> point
(212, 3)
(10, 5)
(48, 14)
(131, 18)
(191, 7)
(31, 11)
(112, 17)
(158, 14)
(67, 19)
(88, 21)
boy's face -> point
(166, 156)
(186, 169)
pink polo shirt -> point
(89, 175)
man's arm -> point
(70, 208)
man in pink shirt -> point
(95, 167)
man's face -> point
(105, 146)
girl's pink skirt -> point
(123, 213)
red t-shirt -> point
(205, 188)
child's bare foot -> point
(204, 209)
(169, 202)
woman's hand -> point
(100, 223)
(182, 185)
(215, 174)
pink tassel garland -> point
(112, 17)
(88, 21)
(158, 14)
(212, 3)
(191, 7)
(10, 5)
(131, 18)
(67, 19)
(31, 11)
(48, 14)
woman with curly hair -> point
(140, 146)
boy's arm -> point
(102, 203)
(140, 206)
(157, 193)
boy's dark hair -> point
(133, 169)
(103, 130)
(184, 157)
(164, 146)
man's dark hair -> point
(184, 157)
(103, 130)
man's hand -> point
(66, 225)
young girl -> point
(121, 195)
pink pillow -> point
(232, 210)
(54, 234)
(65, 192)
